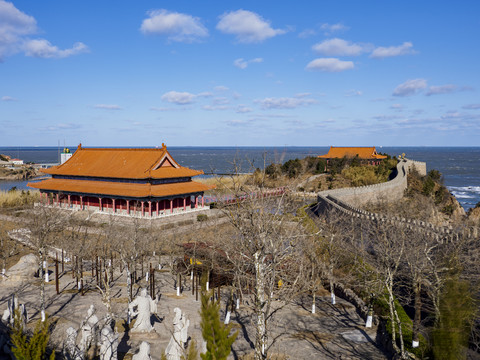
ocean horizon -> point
(459, 165)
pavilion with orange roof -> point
(142, 182)
(368, 154)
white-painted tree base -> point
(47, 279)
(227, 318)
(4, 271)
(43, 315)
(415, 344)
(146, 277)
(238, 304)
(191, 275)
(368, 324)
(313, 308)
(79, 285)
(207, 286)
(178, 290)
(333, 298)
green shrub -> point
(457, 311)
(428, 186)
(33, 347)
(202, 217)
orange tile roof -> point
(362, 152)
(155, 163)
(120, 188)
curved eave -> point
(120, 189)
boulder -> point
(24, 270)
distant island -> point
(15, 169)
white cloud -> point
(410, 87)
(247, 26)
(242, 64)
(353, 92)
(285, 103)
(215, 107)
(179, 98)
(397, 107)
(340, 47)
(242, 109)
(221, 88)
(8, 98)
(382, 52)
(471, 107)
(442, 89)
(177, 26)
(16, 26)
(42, 48)
(331, 28)
(329, 65)
(107, 107)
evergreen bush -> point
(215, 333)
(33, 347)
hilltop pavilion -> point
(367, 154)
(138, 182)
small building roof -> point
(148, 163)
(366, 153)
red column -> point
(150, 208)
(58, 201)
(128, 207)
(196, 201)
(100, 207)
(143, 208)
(184, 204)
(68, 200)
(203, 200)
(48, 198)
(113, 203)
(171, 206)
(81, 202)
(158, 206)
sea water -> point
(460, 166)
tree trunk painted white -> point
(146, 276)
(178, 290)
(43, 315)
(369, 321)
(238, 304)
(45, 266)
(207, 286)
(260, 307)
(313, 303)
(191, 275)
(332, 295)
(79, 285)
(3, 271)
(227, 318)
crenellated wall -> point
(389, 191)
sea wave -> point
(466, 189)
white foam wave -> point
(471, 189)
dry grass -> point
(15, 198)
(224, 183)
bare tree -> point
(265, 252)
(45, 225)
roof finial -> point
(79, 146)
(164, 147)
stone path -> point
(334, 332)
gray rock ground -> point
(334, 332)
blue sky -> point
(316, 73)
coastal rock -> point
(474, 215)
(24, 270)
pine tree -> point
(33, 348)
(214, 332)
